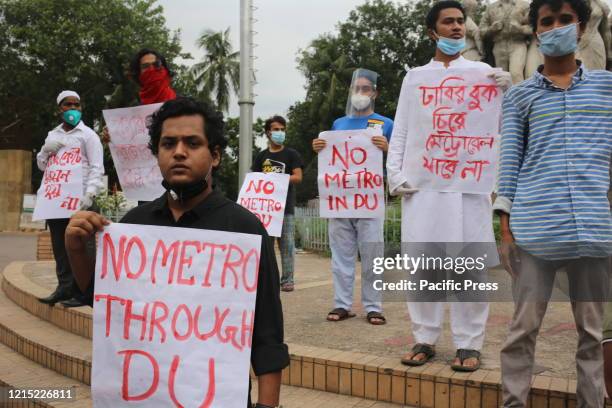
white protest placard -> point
(350, 175)
(454, 139)
(61, 189)
(136, 166)
(265, 195)
(173, 317)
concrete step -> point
(32, 376)
(23, 291)
(44, 343)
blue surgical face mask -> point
(451, 46)
(559, 41)
(72, 117)
(278, 137)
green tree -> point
(218, 74)
(47, 46)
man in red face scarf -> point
(150, 71)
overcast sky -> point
(282, 26)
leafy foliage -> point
(218, 74)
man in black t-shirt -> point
(187, 139)
(278, 158)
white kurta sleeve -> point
(395, 156)
(42, 157)
(95, 156)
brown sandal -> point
(417, 349)
(376, 315)
(342, 314)
(464, 354)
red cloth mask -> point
(155, 86)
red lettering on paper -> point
(127, 359)
(210, 393)
(142, 254)
(188, 318)
(156, 321)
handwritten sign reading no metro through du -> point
(136, 166)
(61, 189)
(265, 195)
(173, 317)
(454, 119)
(350, 175)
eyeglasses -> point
(156, 64)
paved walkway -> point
(306, 308)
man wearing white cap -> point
(71, 132)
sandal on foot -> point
(417, 349)
(287, 287)
(464, 354)
(371, 316)
(342, 314)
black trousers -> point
(65, 279)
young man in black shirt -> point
(187, 139)
(278, 158)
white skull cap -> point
(64, 94)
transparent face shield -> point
(362, 93)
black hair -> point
(434, 12)
(135, 63)
(275, 118)
(183, 106)
(581, 7)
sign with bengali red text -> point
(61, 189)
(173, 317)
(454, 139)
(265, 195)
(350, 177)
(136, 166)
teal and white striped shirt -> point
(554, 170)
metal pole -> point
(246, 101)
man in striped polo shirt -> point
(552, 198)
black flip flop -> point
(376, 315)
(417, 349)
(464, 354)
(342, 314)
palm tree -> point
(219, 71)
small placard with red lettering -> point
(173, 317)
(453, 141)
(265, 195)
(61, 189)
(136, 166)
(350, 175)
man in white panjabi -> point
(431, 216)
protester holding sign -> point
(433, 214)
(554, 177)
(150, 71)
(187, 139)
(349, 235)
(79, 140)
(278, 158)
